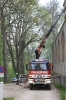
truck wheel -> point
(31, 87)
(49, 87)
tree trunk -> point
(22, 64)
(4, 47)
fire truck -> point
(39, 71)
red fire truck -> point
(39, 73)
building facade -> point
(59, 55)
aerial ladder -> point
(38, 50)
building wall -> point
(59, 55)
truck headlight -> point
(48, 76)
(48, 81)
(30, 76)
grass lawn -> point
(62, 90)
(8, 98)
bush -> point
(62, 90)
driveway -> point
(21, 93)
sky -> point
(43, 2)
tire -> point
(31, 87)
(49, 87)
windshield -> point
(39, 66)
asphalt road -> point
(21, 93)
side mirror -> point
(27, 67)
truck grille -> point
(39, 76)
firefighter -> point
(17, 76)
(25, 80)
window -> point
(58, 50)
(39, 66)
(63, 45)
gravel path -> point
(21, 93)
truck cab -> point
(39, 73)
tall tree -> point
(21, 18)
(24, 22)
(4, 39)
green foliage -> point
(62, 91)
(22, 21)
(48, 48)
(10, 98)
(11, 72)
